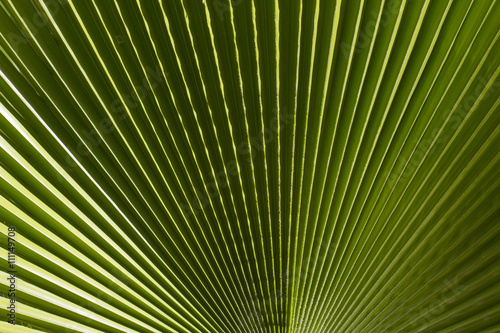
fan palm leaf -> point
(250, 166)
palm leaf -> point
(250, 166)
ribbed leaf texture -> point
(250, 165)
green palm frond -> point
(250, 166)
